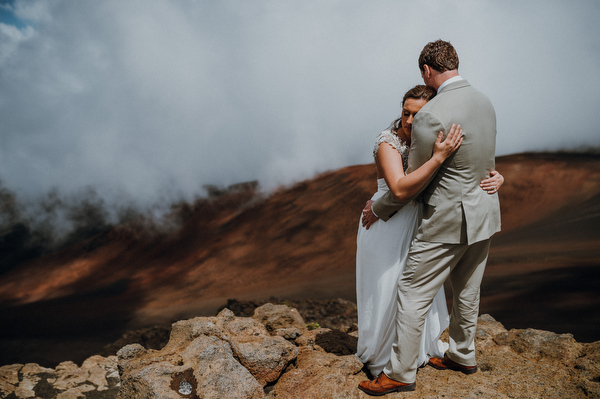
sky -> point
(150, 100)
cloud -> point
(151, 100)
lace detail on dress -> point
(388, 137)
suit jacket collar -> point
(454, 85)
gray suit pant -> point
(429, 265)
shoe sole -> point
(403, 388)
(464, 371)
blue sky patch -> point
(7, 15)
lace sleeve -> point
(388, 137)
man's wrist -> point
(372, 210)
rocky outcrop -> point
(221, 357)
(97, 377)
(273, 355)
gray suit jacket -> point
(456, 210)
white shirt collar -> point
(447, 82)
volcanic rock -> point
(227, 356)
(97, 377)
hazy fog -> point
(150, 100)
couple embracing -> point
(439, 208)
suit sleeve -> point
(426, 127)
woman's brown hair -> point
(419, 92)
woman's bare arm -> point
(405, 186)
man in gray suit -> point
(459, 219)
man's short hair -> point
(439, 55)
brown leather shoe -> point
(383, 385)
(447, 364)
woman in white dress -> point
(382, 250)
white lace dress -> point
(380, 258)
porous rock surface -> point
(97, 377)
(273, 355)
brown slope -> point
(544, 268)
(297, 242)
(295, 239)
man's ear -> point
(427, 71)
